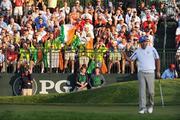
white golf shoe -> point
(143, 111)
(150, 110)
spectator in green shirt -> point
(82, 79)
(97, 79)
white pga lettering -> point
(52, 85)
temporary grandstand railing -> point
(105, 2)
(166, 58)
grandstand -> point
(59, 40)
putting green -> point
(81, 112)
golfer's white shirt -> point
(145, 59)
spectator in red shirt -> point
(12, 57)
(149, 24)
(18, 10)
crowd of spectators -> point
(29, 30)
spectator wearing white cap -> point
(135, 17)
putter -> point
(161, 93)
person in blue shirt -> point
(3, 25)
(41, 24)
(170, 73)
(41, 16)
(40, 21)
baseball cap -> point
(172, 66)
(143, 39)
(121, 19)
(29, 12)
(77, 1)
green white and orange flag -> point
(67, 33)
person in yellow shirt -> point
(99, 52)
(24, 55)
(114, 58)
(69, 55)
(52, 45)
(83, 56)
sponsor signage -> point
(10, 84)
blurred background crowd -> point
(45, 37)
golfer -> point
(147, 61)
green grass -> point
(60, 112)
(118, 93)
(114, 102)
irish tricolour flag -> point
(67, 33)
